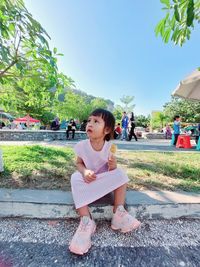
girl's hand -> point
(112, 163)
(89, 176)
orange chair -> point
(183, 141)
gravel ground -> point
(45, 243)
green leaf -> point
(11, 27)
(173, 23)
(5, 33)
(190, 13)
(167, 35)
(176, 13)
(42, 39)
(166, 2)
(159, 27)
(175, 35)
(4, 54)
(55, 50)
(188, 33)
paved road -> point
(142, 145)
(40, 243)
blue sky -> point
(110, 48)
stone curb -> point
(54, 204)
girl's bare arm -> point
(88, 175)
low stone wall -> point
(155, 136)
(39, 135)
(161, 136)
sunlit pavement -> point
(141, 144)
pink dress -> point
(106, 181)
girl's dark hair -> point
(109, 120)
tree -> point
(117, 112)
(179, 20)
(142, 121)
(24, 49)
(188, 110)
(33, 96)
(126, 100)
(99, 103)
(127, 106)
(77, 106)
(30, 81)
(158, 120)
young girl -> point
(98, 175)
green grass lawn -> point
(50, 168)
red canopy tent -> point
(27, 119)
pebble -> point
(152, 233)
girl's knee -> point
(76, 178)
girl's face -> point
(95, 128)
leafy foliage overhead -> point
(180, 18)
(24, 49)
(30, 81)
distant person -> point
(19, 126)
(198, 133)
(71, 128)
(63, 125)
(125, 121)
(2, 124)
(55, 125)
(117, 132)
(168, 132)
(132, 129)
(83, 125)
(42, 127)
(176, 127)
(12, 125)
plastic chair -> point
(183, 142)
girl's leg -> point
(119, 196)
(81, 241)
(84, 211)
(122, 220)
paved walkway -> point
(142, 145)
(43, 243)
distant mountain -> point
(89, 98)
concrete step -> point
(59, 204)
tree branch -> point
(2, 73)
